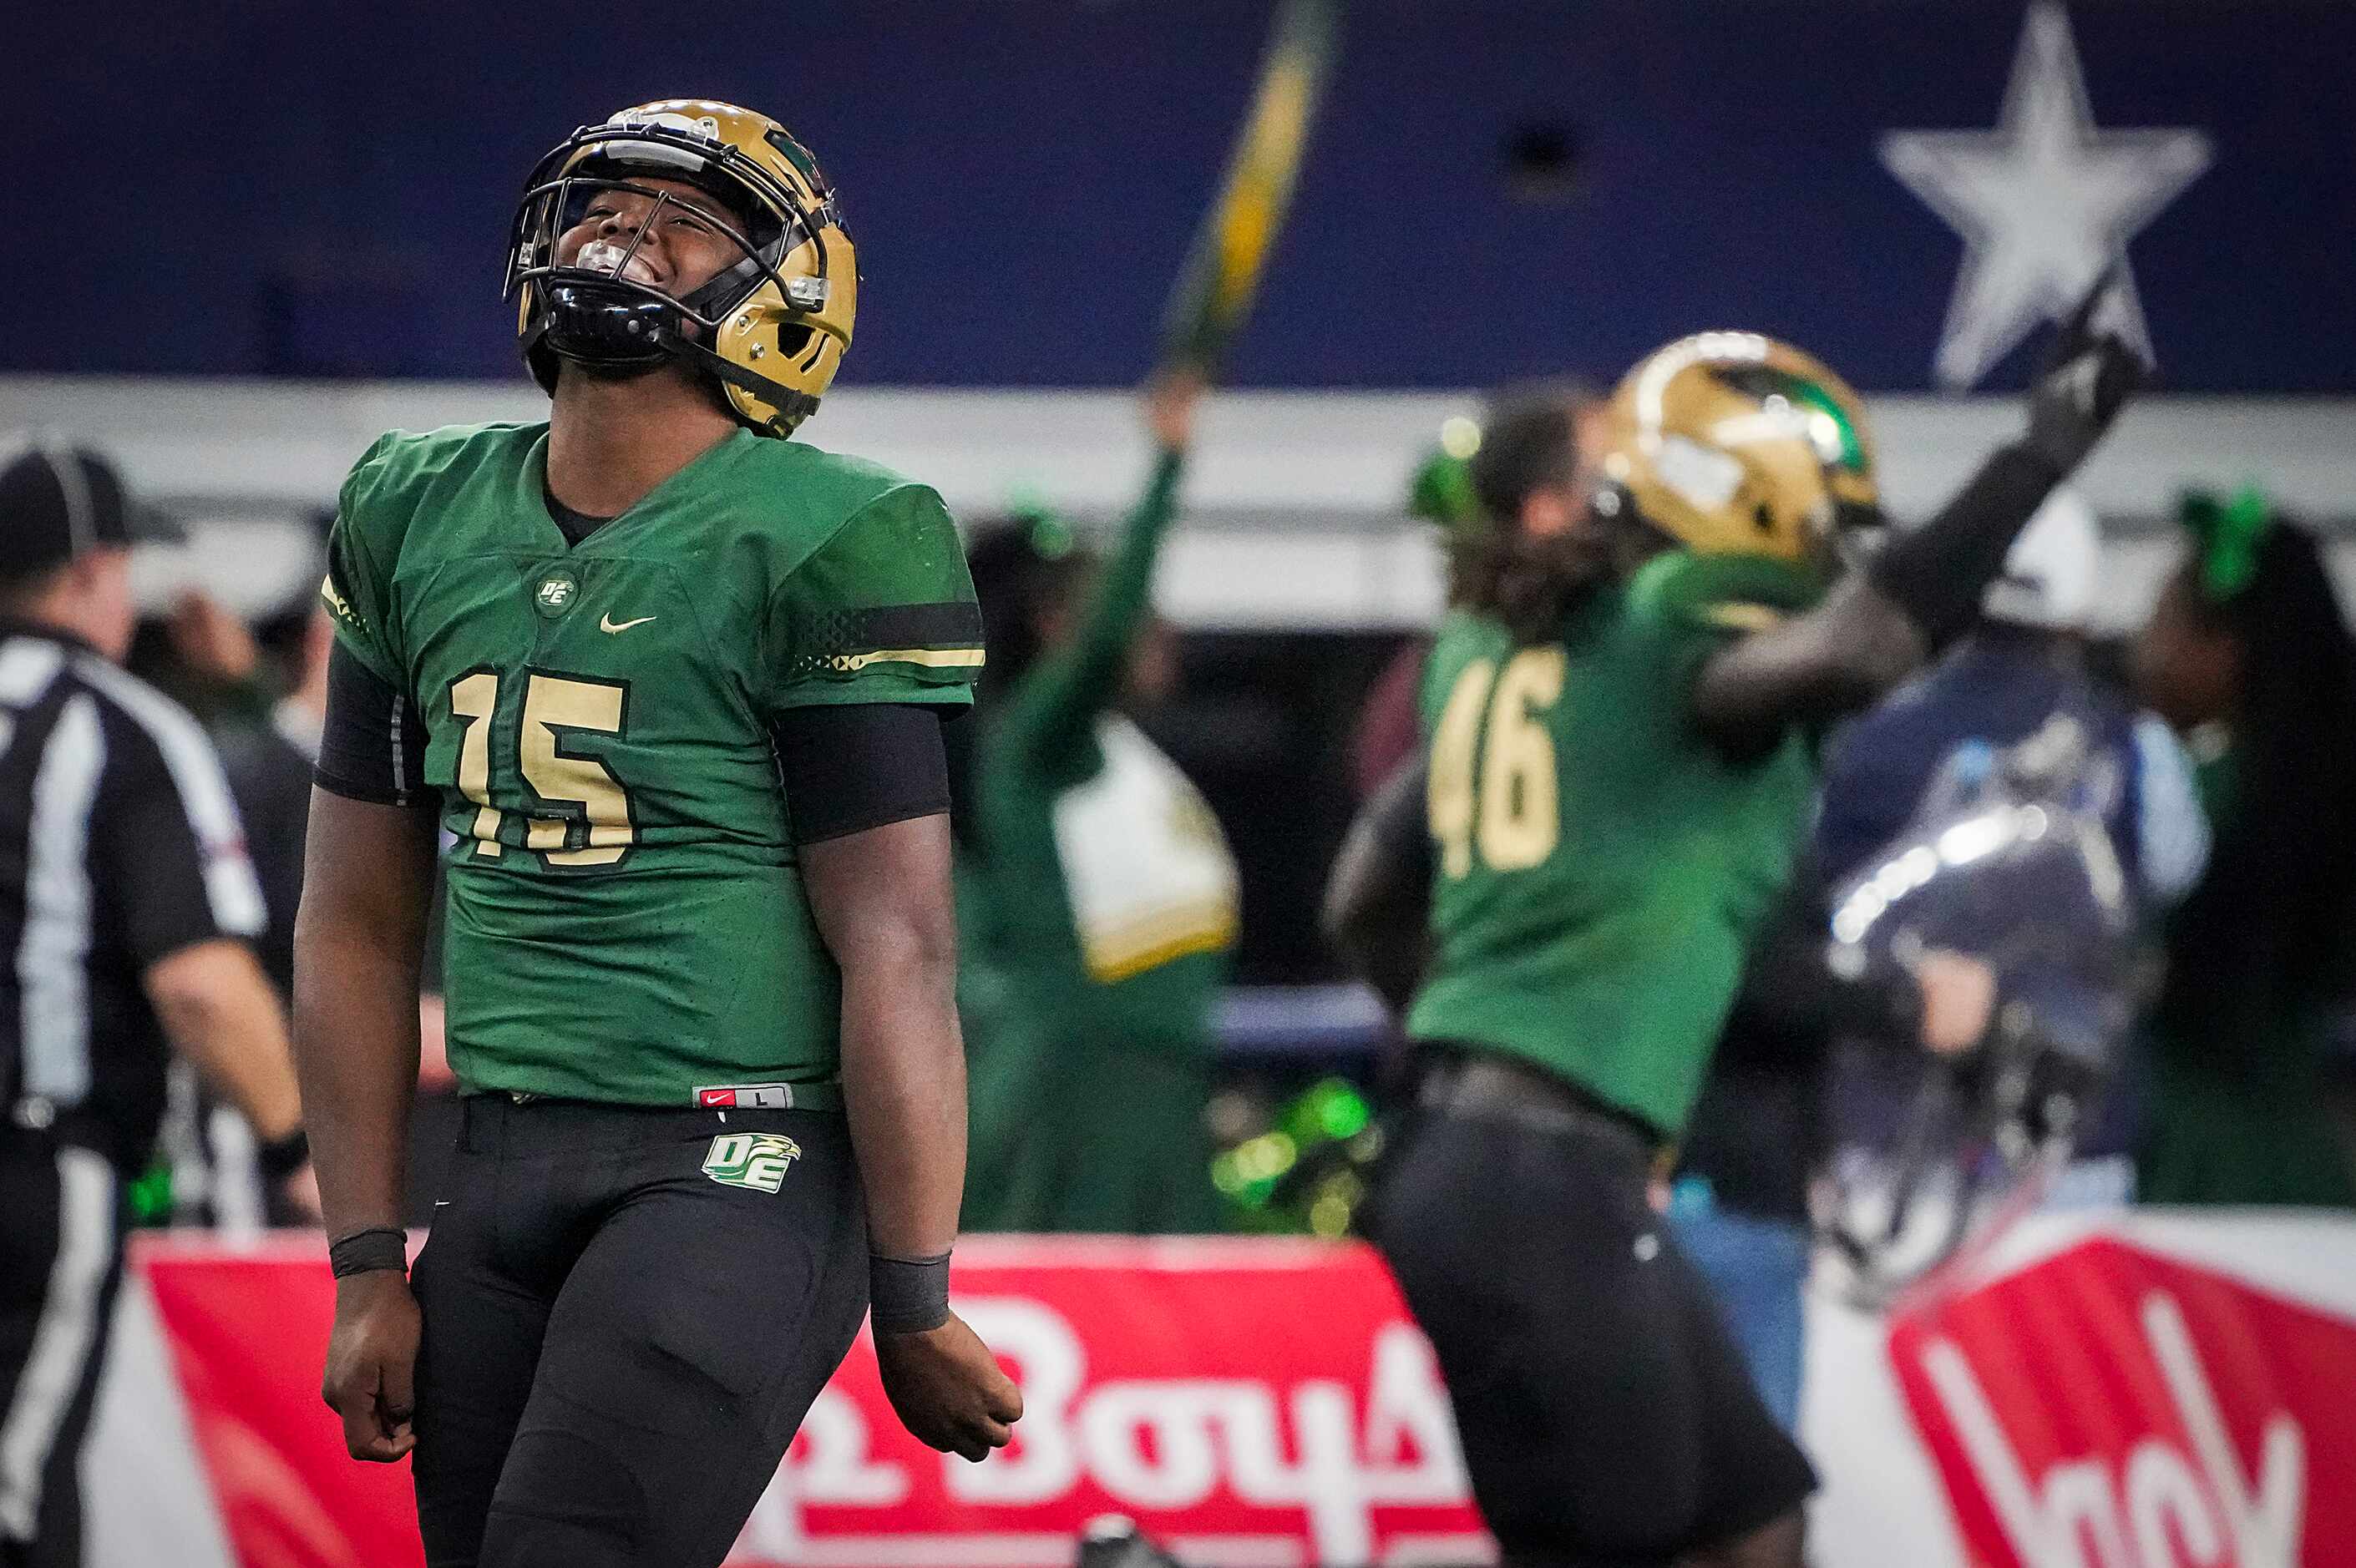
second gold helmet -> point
(1734, 443)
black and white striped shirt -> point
(119, 846)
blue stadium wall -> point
(307, 188)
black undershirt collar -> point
(574, 526)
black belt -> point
(1480, 1084)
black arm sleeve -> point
(374, 745)
(853, 766)
(1937, 572)
(1812, 669)
(1875, 627)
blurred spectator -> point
(195, 649)
(2247, 653)
(269, 765)
(1740, 1195)
(2025, 663)
(219, 649)
(1096, 895)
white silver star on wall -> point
(2043, 202)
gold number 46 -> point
(1512, 812)
(550, 703)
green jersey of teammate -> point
(1601, 865)
(625, 920)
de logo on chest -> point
(556, 593)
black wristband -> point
(908, 1295)
(282, 1158)
(365, 1252)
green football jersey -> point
(627, 922)
(1600, 867)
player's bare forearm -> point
(219, 1011)
(359, 939)
(904, 1086)
(1377, 909)
(882, 902)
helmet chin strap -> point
(620, 335)
(792, 404)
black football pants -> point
(61, 1264)
(618, 1345)
(1607, 1417)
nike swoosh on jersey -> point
(607, 624)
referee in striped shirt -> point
(125, 898)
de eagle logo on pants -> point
(756, 1160)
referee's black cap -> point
(58, 501)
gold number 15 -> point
(550, 703)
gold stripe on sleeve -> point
(932, 658)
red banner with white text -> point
(2114, 1407)
(1250, 1402)
(2141, 1391)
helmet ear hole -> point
(794, 337)
(1762, 518)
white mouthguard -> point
(602, 256)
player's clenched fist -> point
(371, 1356)
(947, 1388)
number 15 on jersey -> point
(587, 820)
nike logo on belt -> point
(607, 624)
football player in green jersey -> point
(669, 685)
(1619, 714)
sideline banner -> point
(2115, 1404)
(1251, 1402)
(2146, 1390)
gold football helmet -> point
(1732, 443)
(769, 330)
